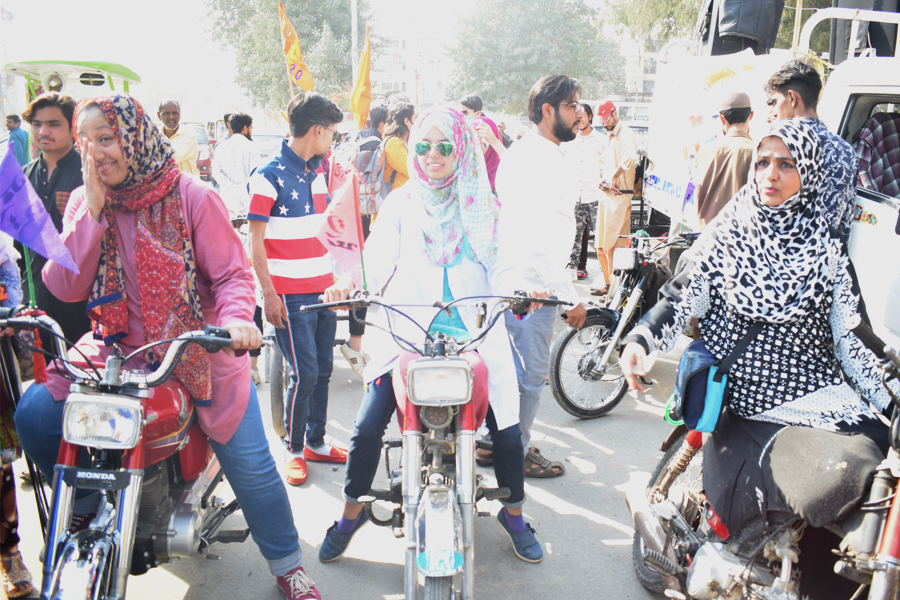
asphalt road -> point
(581, 517)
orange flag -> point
(297, 71)
(362, 93)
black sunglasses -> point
(443, 148)
(335, 136)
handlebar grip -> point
(8, 312)
(866, 335)
(214, 339)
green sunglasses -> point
(443, 148)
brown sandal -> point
(539, 467)
(16, 578)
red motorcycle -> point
(441, 388)
(150, 460)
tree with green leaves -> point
(661, 20)
(250, 28)
(666, 20)
(503, 47)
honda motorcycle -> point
(150, 461)
(441, 390)
(585, 377)
(682, 549)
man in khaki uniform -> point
(618, 160)
(723, 166)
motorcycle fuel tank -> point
(168, 413)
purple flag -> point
(23, 216)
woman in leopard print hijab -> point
(770, 257)
(773, 263)
(770, 261)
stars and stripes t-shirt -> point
(290, 196)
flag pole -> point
(362, 264)
(32, 302)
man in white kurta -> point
(235, 160)
(538, 189)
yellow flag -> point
(297, 71)
(362, 93)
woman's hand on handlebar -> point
(244, 336)
(631, 361)
(341, 290)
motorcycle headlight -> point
(625, 259)
(102, 421)
(439, 381)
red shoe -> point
(335, 455)
(295, 471)
(297, 585)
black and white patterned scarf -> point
(773, 264)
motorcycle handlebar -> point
(210, 338)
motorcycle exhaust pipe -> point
(647, 525)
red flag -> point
(341, 232)
(339, 167)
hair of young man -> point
(799, 77)
(472, 102)
(227, 117)
(377, 116)
(552, 90)
(735, 116)
(239, 121)
(396, 123)
(66, 104)
(14, 118)
(589, 111)
(308, 109)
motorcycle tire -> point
(278, 383)
(438, 588)
(692, 479)
(576, 395)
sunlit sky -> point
(168, 42)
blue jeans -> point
(531, 338)
(307, 343)
(245, 459)
(375, 412)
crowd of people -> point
(470, 212)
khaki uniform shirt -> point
(723, 167)
(614, 212)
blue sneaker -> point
(335, 543)
(525, 545)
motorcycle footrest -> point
(232, 536)
(393, 443)
(501, 493)
(659, 562)
(377, 495)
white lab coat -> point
(393, 258)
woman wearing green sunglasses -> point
(436, 239)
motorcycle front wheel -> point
(278, 383)
(688, 486)
(438, 588)
(578, 390)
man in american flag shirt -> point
(288, 197)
